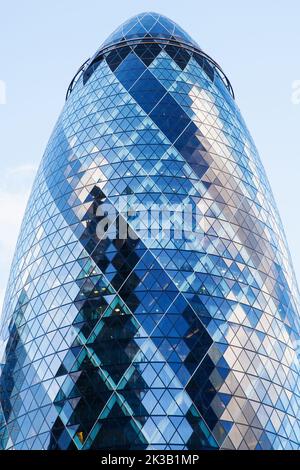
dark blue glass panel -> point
(130, 70)
(170, 117)
(147, 91)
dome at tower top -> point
(149, 25)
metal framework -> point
(157, 40)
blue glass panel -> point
(170, 118)
(147, 91)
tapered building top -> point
(149, 25)
(146, 31)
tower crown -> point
(149, 25)
(147, 31)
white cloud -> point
(14, 192)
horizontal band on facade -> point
(103, 51)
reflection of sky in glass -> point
(149, 25)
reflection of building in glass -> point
(150, 343)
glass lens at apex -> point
(150, 342)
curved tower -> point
(160, 339)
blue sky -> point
(42, 44)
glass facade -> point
(150, 342)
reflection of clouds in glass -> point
(14, 192)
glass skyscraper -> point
(153, 341)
